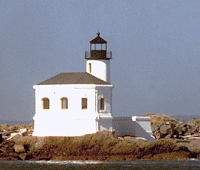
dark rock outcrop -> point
(178, 131)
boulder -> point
(175, 130)
(1, 139)
(19, 148)
(165, 130)
(22, 156)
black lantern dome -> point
(98, 49)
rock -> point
(11, 143)
(1, 145)
(29, 156)
(1, 139)
(181, 148)
(45, 158)
(6, 133)
(22, 156)
(14, 136)
(198, 156)
(164, 129)
(179, 130)
(40, 142)
(11, 154)
(15, 155)
(174, 129)
(128, 138)
(6, 146)
(19, 148)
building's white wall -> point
(106, 93)
(100, 69)
(63, 126)
(74, 95)
(74, 121)
(104, 116)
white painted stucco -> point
(74, 121)
(100, 69)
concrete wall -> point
(105, 123)
(133, 126)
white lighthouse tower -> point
(98, 59)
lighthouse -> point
(98, 59)
(78, 103)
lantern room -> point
(98, 49)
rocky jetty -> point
(10, 151)
(175, 140)
(98, 146)
(178, 131)
(7, 151)
(13, 131)
(165, 127)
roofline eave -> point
(72, 85)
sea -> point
(143, 165)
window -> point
(64, 103)
(90, 67)
(45, 103)
(84, 103)
(102, 104)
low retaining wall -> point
(133, 126)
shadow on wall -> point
(141, 132)
(105, 124)
(133, 126)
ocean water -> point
(143, 165)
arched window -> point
(64, 103)
(102, 104)
(45, 103)
(84, 103)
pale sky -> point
(155, 46)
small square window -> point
(102, 104)
(84, 103)
(64, 103)
(45, 103)
(90, 67)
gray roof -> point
(73, 78)
(98, 40)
